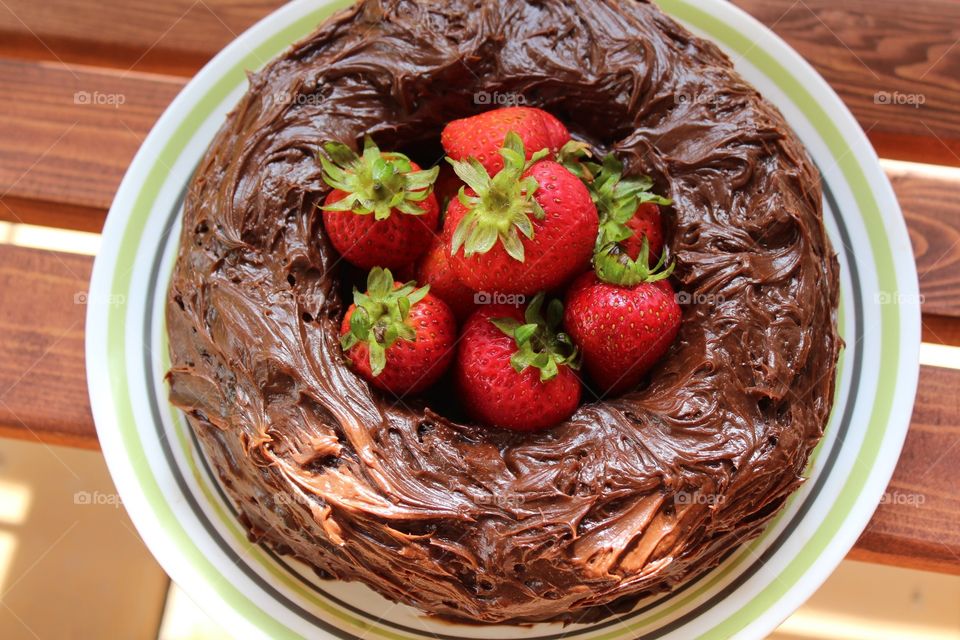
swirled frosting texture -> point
(633, 494)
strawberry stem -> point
(539, 342)
(501, 206)
(380, 316)
(612, 264)
(375, 182)
(617, 198)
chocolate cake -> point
(634, 494)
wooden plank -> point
(932, 211)
(68, 135)
(915, 524)
(43, 396)
(941, 330)
(61, 215)
(174, 36)
(934, 148)
(43, 393)
(896, 66)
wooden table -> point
(64, 148)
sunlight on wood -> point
(14, 502)
(937, 171)
(939, 355)
(49, 238)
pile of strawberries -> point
(529, 219)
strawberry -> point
(529, 228)
(481, 136)
(397, 337)
(434, 269)
(623, 317)
(557, 132)
(382, 211)
(645, 223)
(628, 210)
(515, 370)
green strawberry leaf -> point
(573, 156)
(380, 316)
(379, 282)
(538, 343)
(616, 197)
(554, 314)
(525, 332)
(512, 244)
(503, 205)
(378, 358)
(376, 182)
(532, 312)
(612, 264)
(506, 325)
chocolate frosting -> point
(632, 495)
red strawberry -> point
(556, 131)
(623, 317)
(382, 211)
(628, 210)
(645, 223)
(397, 337)
(434, 269)
(514, 370)
(527, 229)
(481, 136)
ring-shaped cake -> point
(632, 495)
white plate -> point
(182, 513)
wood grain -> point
(896, 65)
(931, 207)
(68, 135)
(61, 215)
(173, 36)
(915, 524)
(941, 330)
(932, 149)
(43, 392)
(82, 82)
